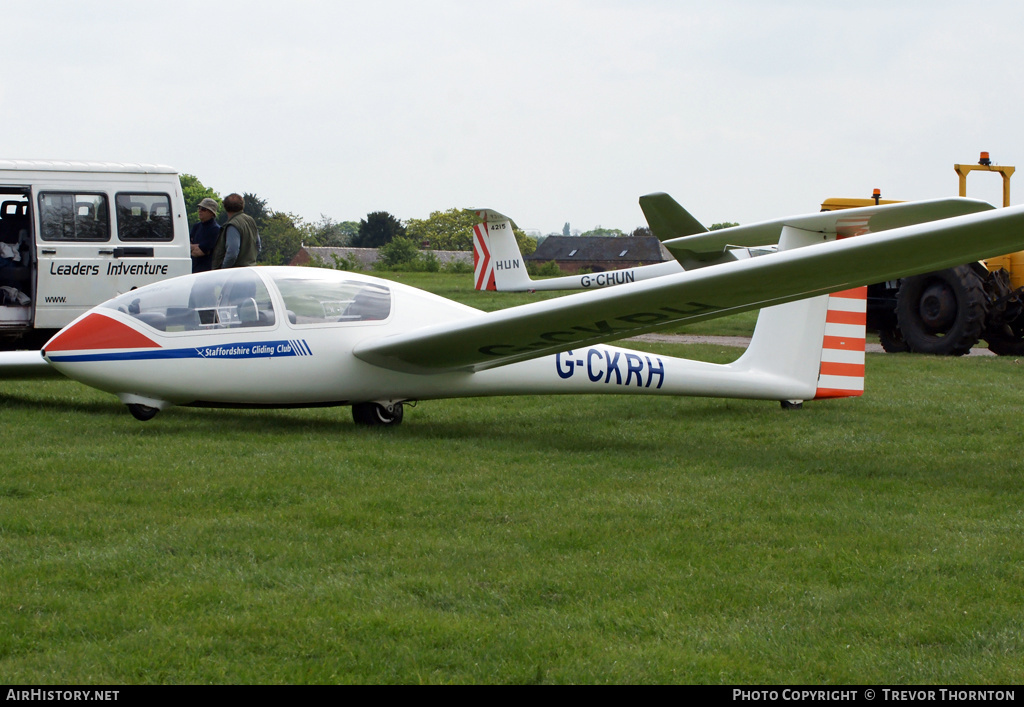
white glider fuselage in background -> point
(279, 336)
(499, 265)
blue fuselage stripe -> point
(246, 350)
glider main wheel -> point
(142, 412)
(377, 415)
(942, 312)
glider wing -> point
(709, 246)
(824, 265)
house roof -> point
(602, 248)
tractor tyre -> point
(892, 340)
(942, 312)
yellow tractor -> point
(947, 312)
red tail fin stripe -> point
(839, 342)
(476, 245)
(842, 369)
(839, 317)
(836, 393)
(482, 266)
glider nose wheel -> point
(142, 412)
(376, 414)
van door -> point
(87, 257)
(73, 250)
(16, 258)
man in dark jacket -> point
(239, 243)
(204, 236)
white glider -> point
(499, 265)
(279, 336)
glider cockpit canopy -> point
(225, 299)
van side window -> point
(144, 217)
(74, 217)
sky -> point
(548, 111)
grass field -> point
(877, 540)
(460, 289)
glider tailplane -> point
(497, 262)
(815, 344)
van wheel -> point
(142, 412)
(377, 415)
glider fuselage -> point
(287, 338)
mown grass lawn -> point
(459, 287)
(521, 540)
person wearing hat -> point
(204, 235)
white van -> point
(74, 234)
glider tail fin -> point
(812, 348)
(497, 262)
(815, 346)
(841, 374)
(667, 218)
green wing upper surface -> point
(542, 328)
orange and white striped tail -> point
(841, 374)
(483, 268)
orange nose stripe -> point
(99, 332)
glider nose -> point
(94, 332)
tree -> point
(377, 229)
(281, 236)
(444, 230)
(402, 254)
(527, 244)
(605, 232)
(342, 262)
(257, 208)
(565, 229)
(641, 232)
(399, 251)
(193, 192)
(720, 226)
(329, 233)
